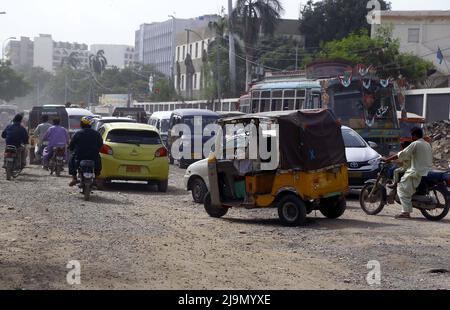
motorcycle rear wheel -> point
(87, 192)
(8, 172)
(442, 209)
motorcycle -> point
(86, 176)
(56, 162)
(431, 198)
(13, 162)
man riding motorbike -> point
(16, 135)
(56, 136)
(39, 133)
(420, 153)
(85, 145)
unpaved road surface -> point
(131, 237)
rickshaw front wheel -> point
(216, 212)
(333, 208)
(292, 211)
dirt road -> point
(131, 237)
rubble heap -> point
(440, 135)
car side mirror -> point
(373, 145)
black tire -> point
(87, 192)
(9, 172)
(377, 201)
(214, 211)
(171, 160)
(182, 164)
(198, 189)
(100, 184)
(163, 186)
(333, 208)
(442, 201)
(292, 211)
(58, 171)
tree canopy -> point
(328, 20)
(12, 84)
(381, 52)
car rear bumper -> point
(155, 170)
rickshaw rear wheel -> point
(292, 211)
(216, 212)
(333, 208)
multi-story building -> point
(422, 33)
(189, 76)
(155, 43)
(50, 55)
(20, 52)
(120, 56)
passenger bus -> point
(224, 105)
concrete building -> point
(49, 54)
(189, 68)
(120, 56)
(155, 43)
(195, 42)
(20, 52)
(422, 33)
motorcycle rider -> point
(85, 145)
(15, 134)
(420, 153)
(57, 136)
(39, 133)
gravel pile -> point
(440, 135)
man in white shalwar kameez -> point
(420, 153)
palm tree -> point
(98, 62)
(251, 19)
(72, 60)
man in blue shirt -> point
(16, 135)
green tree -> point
(12, 84)
(283, 53)
(251, 17)
(72, 60)
(381, 52)
(328, 20)
(98, 62)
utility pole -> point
(296, 57)
(232, 51)
(65, 88)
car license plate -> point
(133, 169)
(10, 160)
(59, 158)
(356, 174)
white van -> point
(161, 121)
(75, 116)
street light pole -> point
(173, 47)
(3, 46)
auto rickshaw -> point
(310, 172)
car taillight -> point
(448, 182)
(162, 152)
(107, 150)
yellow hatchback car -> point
(134, 152)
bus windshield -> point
(360, 111)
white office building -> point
(155, 43)
(49, 54)
(119, 56)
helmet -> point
(87, 120)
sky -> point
(115, 21)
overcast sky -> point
(114, 21)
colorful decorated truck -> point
(361, 100)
